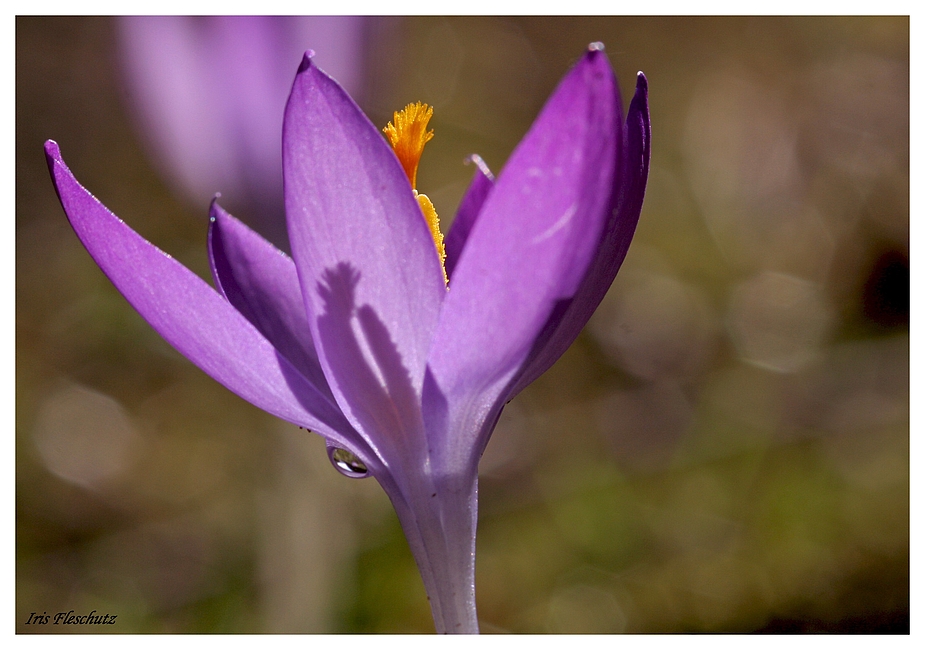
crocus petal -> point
(190, 315)
(528, 252)
(261, 282)
(368, 267)
(469, 208)
(564, 327)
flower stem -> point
(440, 527)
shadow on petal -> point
(398, 387)
(365, 367)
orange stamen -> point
(408, 134)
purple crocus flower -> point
(359, 336)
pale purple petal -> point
(212, 90)
(565, 325)
(527, 254)
(261, 282)
(169, 84)
(369, 271)
(468, 212)
(210, 93)
(190, 315)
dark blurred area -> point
(724, 449)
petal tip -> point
(216, 211)
(594, 61)
(595, 52)
(641, 82)
(52, 155)
(306, 60)
(475, 159)
(55, 163)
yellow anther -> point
(408, 134)
(430, 216)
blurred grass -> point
(671, 473)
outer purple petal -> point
(527, 254)
(261, 282)
(369, 271)
(190, 315)
(565, 326)
(469, 208)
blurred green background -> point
(724, 449)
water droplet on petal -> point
(347, 463)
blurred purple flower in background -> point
(209, 93)
(358, 337)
